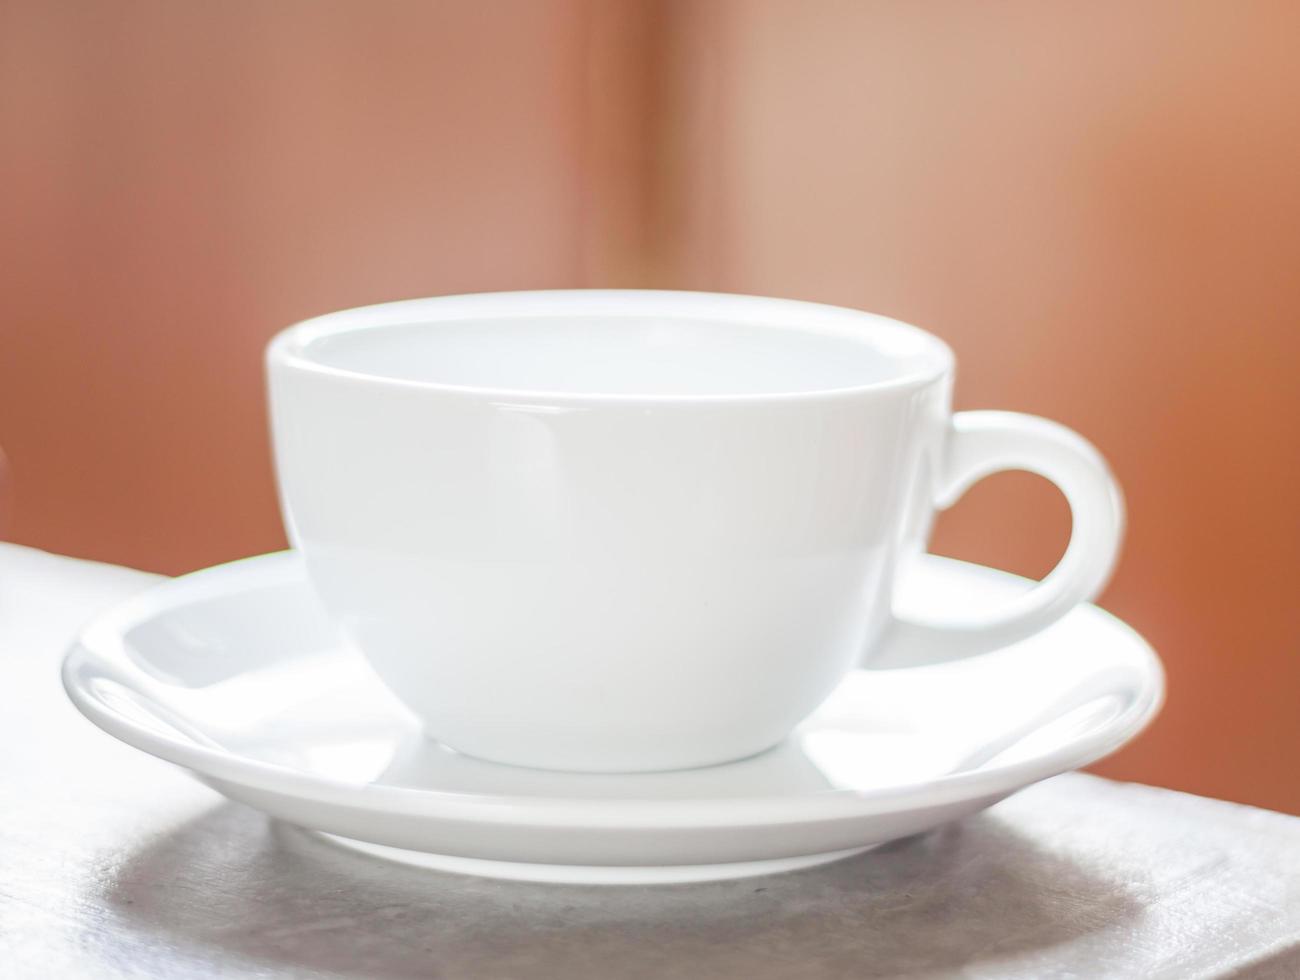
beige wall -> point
(1096, 204)
(183, 179)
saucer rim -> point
(101, 645)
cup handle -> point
(980, 444)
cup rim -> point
(290, 348)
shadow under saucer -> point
(227, 889)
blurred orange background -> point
(1098, 206)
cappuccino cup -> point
(621, 531)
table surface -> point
(114, 864)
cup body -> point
(607, 530)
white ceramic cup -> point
(612, 530)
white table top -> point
(113, 864)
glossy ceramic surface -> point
(633, 531)
(237, 674)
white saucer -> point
(235, 674)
